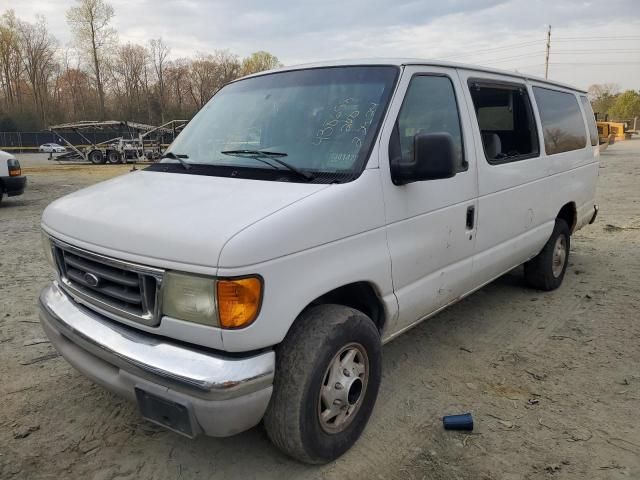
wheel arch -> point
(362, 296)
(569, 214)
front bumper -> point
(204, 392)
(14, 185)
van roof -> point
(399, 62)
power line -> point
(520, 45)
(534, 54)
(515, 57)
(594, 63)
(560, 64)
(510, 59)
(547, 53)
(485, 50)
(595, 51)
(594, 39)
(536, 65)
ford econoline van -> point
(302, 219)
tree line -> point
(609, 102)
(98, 77)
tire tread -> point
(294, 357)
(537, 271)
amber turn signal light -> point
(238, 301)
(14, 167)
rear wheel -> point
(326, 383)
(113, 156)
(546, 270)
(96, 157)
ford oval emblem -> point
(91, 279)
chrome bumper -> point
(223, 395)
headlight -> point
(48, 249)
(226, 303)
(190, 298)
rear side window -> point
(429, 107)
(506, 122)
(591, 120)
(562, 123)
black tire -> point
(96, 157)
(113, 156)
(314, 342)
(540, 272)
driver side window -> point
(429, 107)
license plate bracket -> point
(164, 412)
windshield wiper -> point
(179, 158)
(266, 153)
(271, 156)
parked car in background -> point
(316, 213)
(52, 148)
(12, 182)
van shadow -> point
(9, 202)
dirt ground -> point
(552, 379)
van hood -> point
(168, 218)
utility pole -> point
(546, 60)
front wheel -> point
(546, 270)
(326, 383)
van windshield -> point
(321, 122)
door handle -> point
(471, 217)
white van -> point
(303, 218)
(12, 182)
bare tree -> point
(10, 58)
(177, 76)
(597, 90)
(209, 73)
(159, 53)
(90, 22)
(202, 74)
(38, 50)
(228, 67)
(75, 89)
(602, 97)
(129, 72)
(40, 84)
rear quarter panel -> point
(573, 175)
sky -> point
(591, 41)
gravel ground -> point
(552, 379)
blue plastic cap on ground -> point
(458, 422)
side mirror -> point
(433, 159)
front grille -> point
(116, 288)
